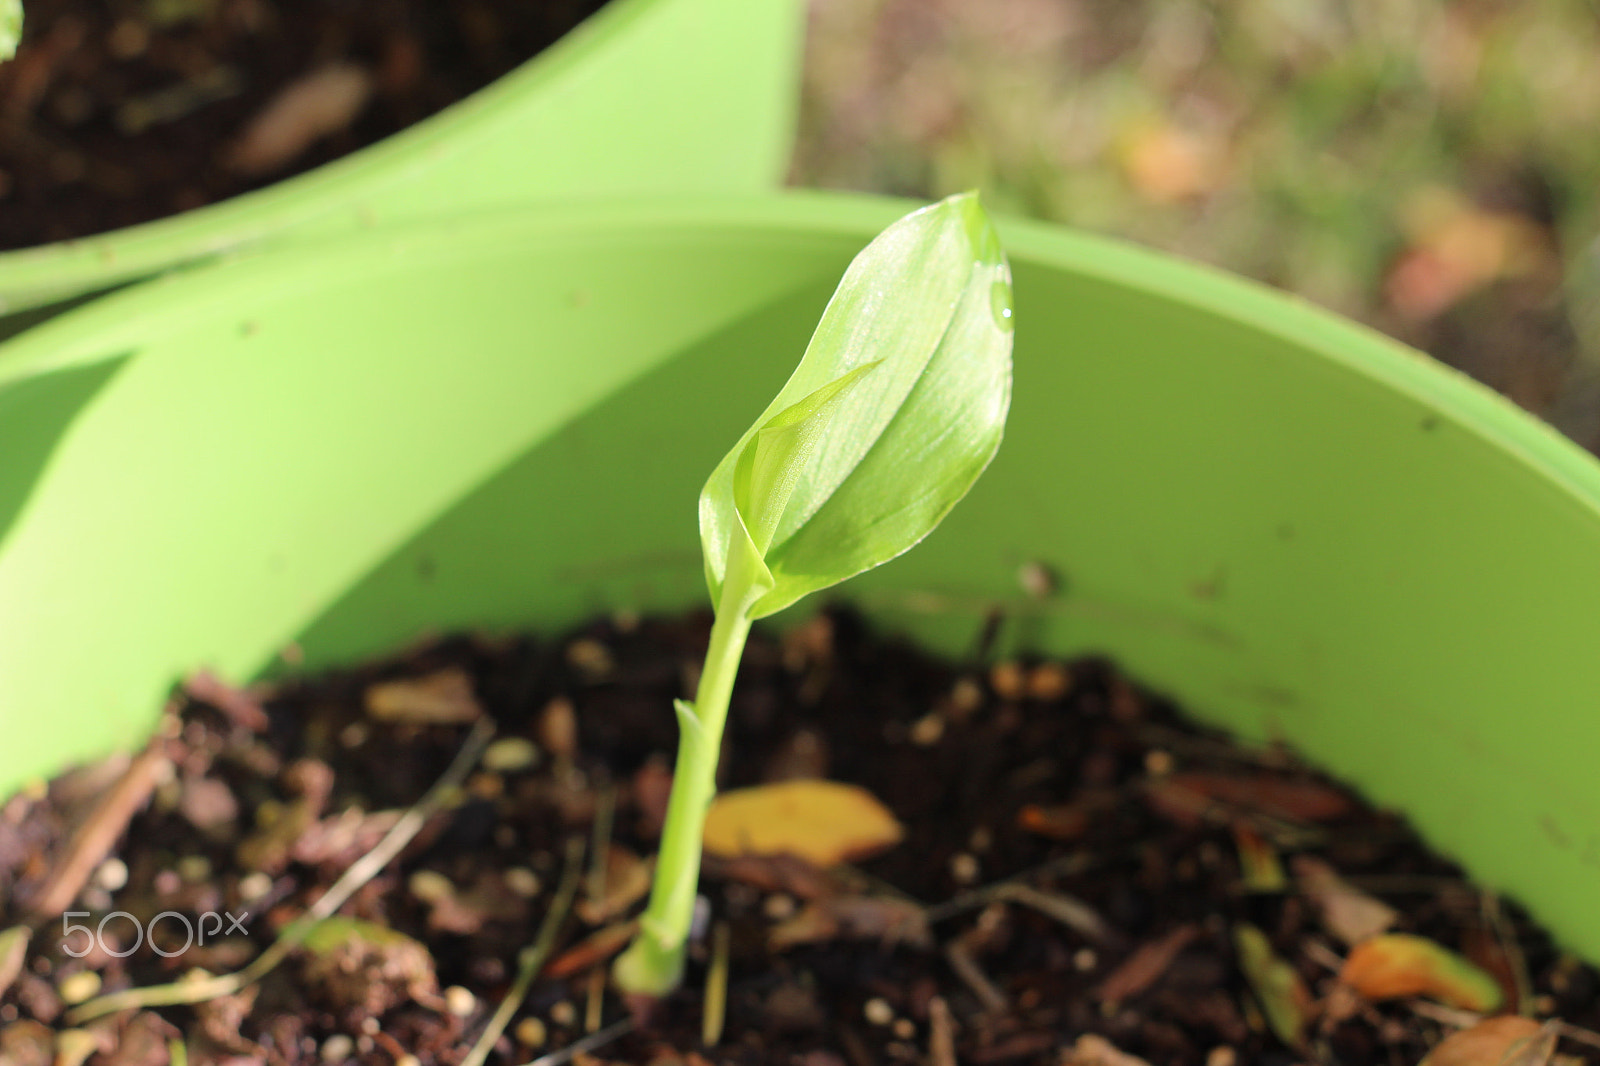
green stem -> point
(653, 963)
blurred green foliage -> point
(1431, 168)
(10, 27)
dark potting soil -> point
(116, 112)
(1079, 871)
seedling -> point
(896, 408)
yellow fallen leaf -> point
(823, 822)
(442, 698)
(1285, 1001)
(1399, 964)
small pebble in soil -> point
(927, 730)
(430, 886)
(522, 881)
(877, 1011)
(459, 1001)
(964, 868)
(1049, 682)
(79, 987)
(510, 754)
(254, 886)
(1008, 680)
(778, 906)
(111, 875)
(966, 697)
(558, 728)
(530, 1033)
(337, 1048)
(590, 658)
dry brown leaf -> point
(1509, 1040)
(592, 950)
(1484, 949)
(488, 900)
(1187, 798)
(852, 918)
(1455, 247)
(344, 837)
(823, 822)
(442, 698)
(1399, 964)
(627, 880)
(1347, 912)
(239, 705)
(1166, 164)
(1064, 821)
(308, 109)
(652, 788)
(1144, 967)
(362, 965)
(774, 873)
(1093, 1049)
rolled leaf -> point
(877, 459)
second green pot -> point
(647, 96)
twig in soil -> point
(1515, 959)
(360, 872)
(100, 830)
(1067, 865)
(1322, 954)
(532, 958)
(966, 967)
(715, 1011)
(1578, 1034)
(1466, 1019)
(1438, 1012)
(594, 1009)
(604, 816)
(584, 1046)
(1070, 912)
(941, 1033)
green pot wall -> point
(1301, 530)
(646, 97)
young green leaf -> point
(869, 462)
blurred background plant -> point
(1431, 168)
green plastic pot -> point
(1297, 528)
(645, 97)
